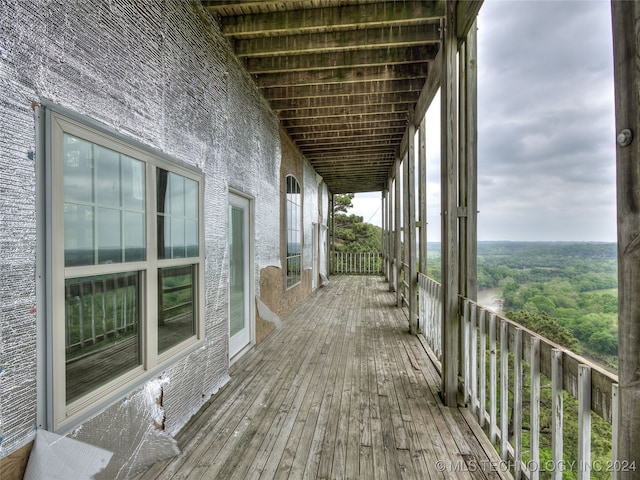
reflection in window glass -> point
(177, 216)
(102, 330)
(293, 231)
(176, 307)
(104, 197)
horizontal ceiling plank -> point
(333, 122)
(351, 100)
(307, 136)
(363, 172)
(338, 41)
(312, 130)
(348, 137)
(348, 111)
(346, 59)
(374, 148)
(332, 18)
(310, 91)
(325, 161)
(353, 144)
(343, 75)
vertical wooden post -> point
(398, 245)
(422, 193)
(449, 202)
(383, 208)
(390, 232)
(410, 227)
(468, 151)
(626, 60)
(332, 233)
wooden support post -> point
(449, 202)
(468, 155)
(410, 228)
(626, 61)
(332, 233)
(422, 195)
(398, 245)
(391, 237)
(383, 244)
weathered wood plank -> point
(341, 391)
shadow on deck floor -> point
(340, 391)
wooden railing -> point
(430, 313)
(345, 263)
(501, 361)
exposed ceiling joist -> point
(343, 76)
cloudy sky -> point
(546, 140)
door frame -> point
(237, 194)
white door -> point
(240, 264)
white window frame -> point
(297, 228)
(62, 416)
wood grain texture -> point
(341, 391)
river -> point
(490, 298)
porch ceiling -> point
(342, 75)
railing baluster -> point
(517, 403)
(483, 368)
(504, 390)
(557, 412)
(466, 342)
(493, 379)
(474, 359)
(81, 310)
(614, 430)
(584, 422)
(534, 409)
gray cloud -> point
(546, 128)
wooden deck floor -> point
(340, 391)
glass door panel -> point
(239, 275)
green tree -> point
(342, 203)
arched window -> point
(293, 205)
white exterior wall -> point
(162, 74)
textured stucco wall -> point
(162, 74)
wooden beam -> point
(329, 42)
(332, 89)
(467, 12)
(626, 61)
(334, 19)
(427, 94)
(391, 125)
(343, 111)
(334, 122)
(343, 75)
(347, 59)
(449, 203)
(355, 100)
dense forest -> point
(567, 292)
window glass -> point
(102, 330)
(104, 198)
(176, 314)
(78, 234)
(177, 215)
(293, 231)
